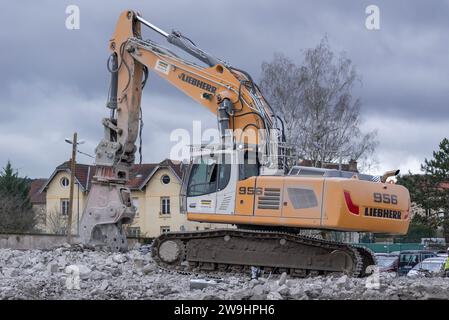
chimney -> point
(352, 166)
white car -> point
(429, 267)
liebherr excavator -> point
(246, 180)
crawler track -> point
(235, 251)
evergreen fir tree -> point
(437, 172)
(16, 211)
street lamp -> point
(70, 141)
(78, 143)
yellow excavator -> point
(248, 180)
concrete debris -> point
(52, 267)
(282, 279)
(260, 290)
(81, 273)
(149, 268)
(274, 296)
(284, 290)
(119, 258)
(196, 284)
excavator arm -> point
(243, 116)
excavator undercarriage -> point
(237, 250)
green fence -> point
(391, 247)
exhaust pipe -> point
(391, 173)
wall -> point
(40, 241)
(25, 242)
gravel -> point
(75, 273)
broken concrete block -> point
(139, 263)
(149, 268)
(119, 258)
(196, 284)
(284, 290)
(258, 297)
(282, 279)
(260, 289)
(97, 275)
(242, 295)
(274, 296)
(253, 283)
(78, 270)
(104, 285)
(52, 267)
(10, 272)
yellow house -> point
(155, 191)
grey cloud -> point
(54, 81)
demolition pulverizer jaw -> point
(106, 212)
(108, 236)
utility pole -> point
(72, 186)
(74, 144)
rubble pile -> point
(76, 273)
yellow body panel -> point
(336, 214)
(317, 202)
(244, 204)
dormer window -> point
(165, 179)
(64, 182)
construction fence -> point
(394, 247)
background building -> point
(155, 189)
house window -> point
(135, 201)
(165, 179)
(134, 232)
(165, 229)
(165, 205)
(64, 182)
(64, 207)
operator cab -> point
(209, 182)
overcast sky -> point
(54, 81)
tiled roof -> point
(174, 164)
(83, 172)
(139, 174)
(36, 196)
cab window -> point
(208, 177)
(249, 167)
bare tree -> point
(322, 118)
(13, 216)
(56, 223)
